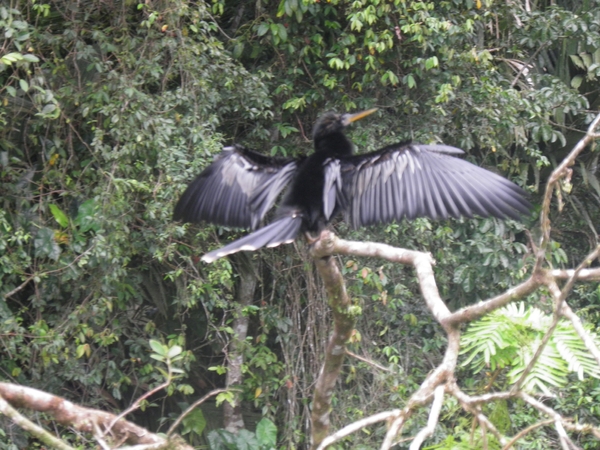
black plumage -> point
(404, 180)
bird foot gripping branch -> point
(400, 181)
(311, 238)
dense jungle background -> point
(109, 108)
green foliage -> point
(265, 438)
(509, 337)
(194, 422)
(466, 442)
(105, 117)
(109, 109)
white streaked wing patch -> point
(429, 182)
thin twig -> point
(191, 408)
(368, 361)
(359, 424)
(525, 431)
(527, 64)
(217, 25)
(434, 415)
(29, 426)
(567, 423)
(556, 175)
(581, 331)
(538, 352)
(559, 299)
(136, 405)
(40, 275)
(99, 438)
(19, 287)
(466, 403)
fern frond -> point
(550, 368)
(574, 352)
(510, 336)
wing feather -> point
(388, 199)
(405, 190)
(237, 189)
(436, 193)
(412, 180)
(332, 190)
(447, 195)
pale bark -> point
(85, 420)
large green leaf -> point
(60, 217)
(86, 219)
(194, 422)
(266, 433)
(45, 244)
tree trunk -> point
(343, 324)
(233, 419)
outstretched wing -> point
(415, 180)
(236, 190)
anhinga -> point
(404, 180)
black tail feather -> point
(283, 231)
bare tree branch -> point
(474, 409)
(434, 415)
(583, 275)
(31, 427)
(565, 422)
(394, 428)
(359, 424)
(561, 171)
(526, 431)
(478, 310)
(571, 280)
(422, 262)
(487, 398)
(82, 419)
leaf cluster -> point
(265, 438)
(508, 338)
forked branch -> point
(85, 420)
(442, 378)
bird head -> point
(332, 122)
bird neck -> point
(334, 144)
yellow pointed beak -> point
(349, 118)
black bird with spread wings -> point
(404, 180)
